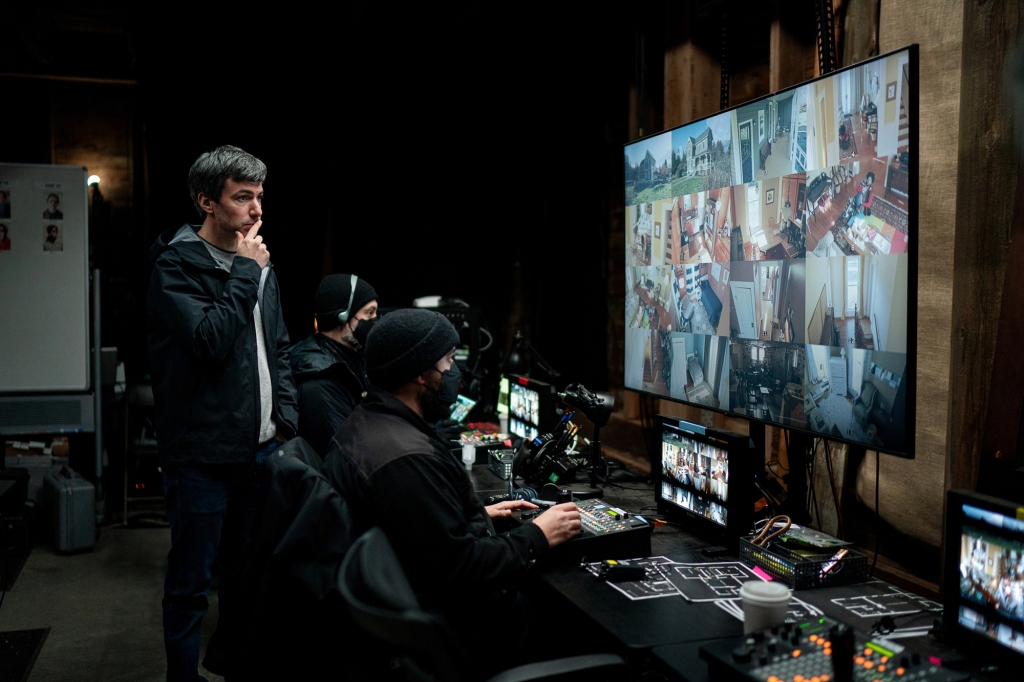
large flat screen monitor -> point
(704, 479)
(984, 577)
(771, 258)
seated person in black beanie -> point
(328, 365)
(393, 470)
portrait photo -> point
(53, 210)
(52, 239)
(5, 237)
(5, 204)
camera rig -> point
(552, 457)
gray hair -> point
(212, 169)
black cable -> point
(813, 493)
(878, 517)
(887, 624)
(835, 492)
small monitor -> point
(531, 406)
(462, 408)
(503, 395)
(704, 479)
(984, 577)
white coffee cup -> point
(764, 605)
(469, 456)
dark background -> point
(460, 149)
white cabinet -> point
(837, 375)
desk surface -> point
(673, 627)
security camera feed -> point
(522, 429)
(461, 409)
(524, 403)
(992, 576)
(780, 229)
(695, 476)
(524, 411)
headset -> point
(344, 314)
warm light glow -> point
(94, 180)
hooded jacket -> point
(202, 353)
(331, 380)
(394, 471)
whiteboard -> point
(44, 281)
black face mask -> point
(436, 403)
(362, 331)
(451, 379)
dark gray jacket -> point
(395, 472)
(202, 354)
(330, 379)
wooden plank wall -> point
(986, 182)
(967, 177)
(911, 491)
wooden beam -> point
(692, 70)
(793, 53)
(860, 31)
(912, 491)
(986, 182)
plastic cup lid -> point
(765, 592)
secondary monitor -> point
(984, 577)
(531, 406)
(771, 258)
(704, 478)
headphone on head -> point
(343, 315)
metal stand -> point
(594, 460)
(97, 391)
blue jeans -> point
(212, 510)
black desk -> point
(670, 628)
(646, 623)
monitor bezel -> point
(910, 371)
(739, 507)
(979, 646)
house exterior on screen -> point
(698, 153)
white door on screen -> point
(743, 303)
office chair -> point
(382, 602)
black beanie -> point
(332, 297)
(404, 343)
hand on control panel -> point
(560, 523)
(504, 509)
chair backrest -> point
(867, 395)
(383, 604)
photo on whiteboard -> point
(5, 237)
(5, 204)
(53, 210)
(52, 241)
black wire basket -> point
(801, 572)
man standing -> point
(394, 471)
(224, 395)
(328, 365)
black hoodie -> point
(202, 354)
(330, 379)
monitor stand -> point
(799, 445)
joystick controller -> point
(843, 644)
